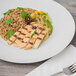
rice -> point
(17, 21)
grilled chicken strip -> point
(13, 38)
(30, 44)
(19, 43)
(39, 39)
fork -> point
(67, 71)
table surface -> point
(10, 69)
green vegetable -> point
(44, 19)
(19, 8)
(44, 14)
(8, 22)
(9, 34)
(33, 33)
(48, 24)
(50, 27)
(48, 18)
(6, 13)
(28, 16)
(44, 24)
(24, 14)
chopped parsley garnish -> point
(19, 8)
(6, 13)
(33, 33)
(24, 14)
(9, 34)
(8, 22)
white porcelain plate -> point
(63, 32)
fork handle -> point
(59, 74)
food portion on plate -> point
(25, 27)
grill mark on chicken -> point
(28, 37)
(22, 41)
(29, 31)
(36, 33)
(25, 28)
(10, 40)
(39, 38)
(31, 43)
(21, 33)
(19, 38)
(15, 35)
(40, 28)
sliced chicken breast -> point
(30, 44)
(25, 39)
(39, 39)
(39, 29)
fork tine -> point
(72, 68)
